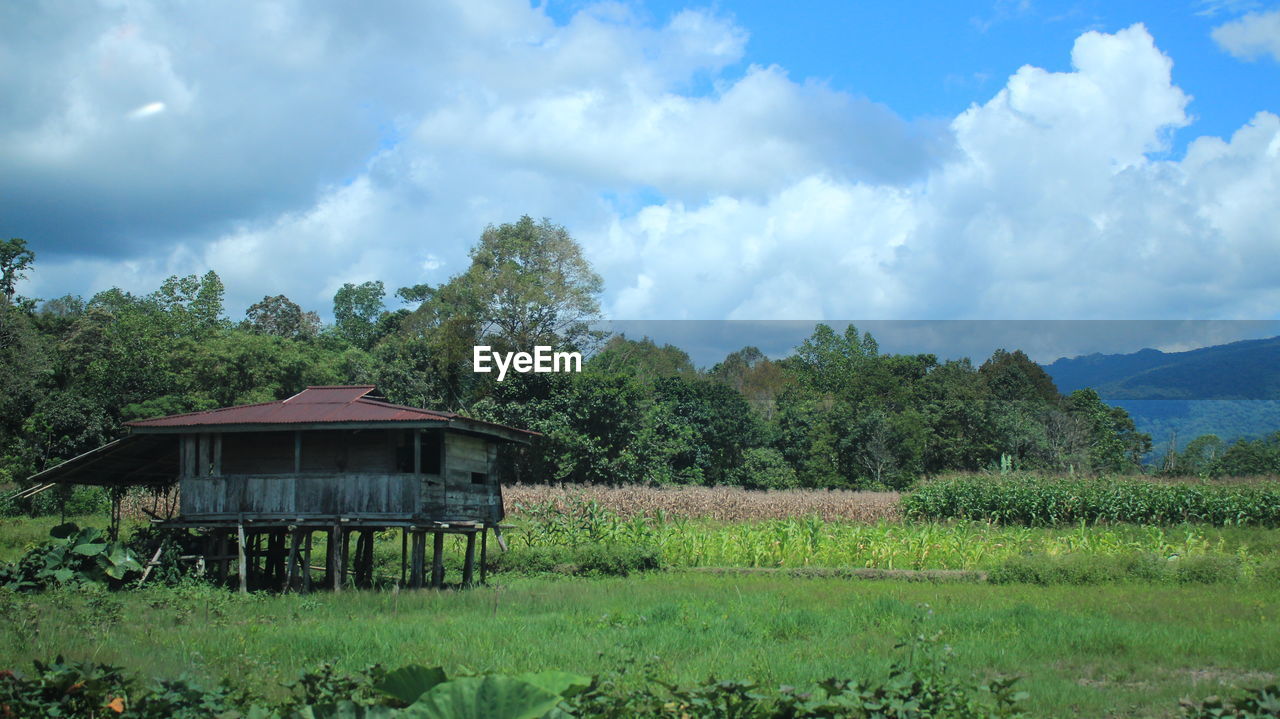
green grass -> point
(1133, 649)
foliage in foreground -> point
(918, 685)
(75, 556)
(1048, 501)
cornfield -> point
(730, 504)
(813, 542)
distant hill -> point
(1230, 390)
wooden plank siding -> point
(356, 474)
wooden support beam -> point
(404, 553)
(217, 455)
(295, 550)
(336, 565)
(368, 557)
(437, 560)
(469, 561)
(418, 559)
(344, 549)
(297, 451)
(484, 554)
(306, 562)
(417, 451)
(244, 569)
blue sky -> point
(934, 59)
(733, 161)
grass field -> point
(1117, 648)
(1121, 650)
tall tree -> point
(15, 258)
(528, 284)
(279, 316)
(356, 309)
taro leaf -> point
(62, 531)
(557, 682)
(410, 682)
(63, 574)
(121, 557)
(91, 549)
(491, 697)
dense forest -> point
(835, 413)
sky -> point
(1006, 160)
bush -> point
(1049, 501)
(616, 560)
(1088, 569)
(1260, 703)
(766, 468)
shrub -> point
(1092, 569)
(584, 559)
(1049, 501)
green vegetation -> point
(75, 556)
(1048, 501)
(1125, 648)
(837, 413)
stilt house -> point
(263, 478)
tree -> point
(279, 316)
(642, 359)
(1012, 376)
(15, 258)
(528, 284)
(356, 309)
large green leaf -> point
(557, 682)
(410, 682)
(91, 549)
(484, 698)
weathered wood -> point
(484, 554)
(417, 452)
(306, 562)
(291, 567)
(244, 567)
(469, 560)
(155, 559)
(217, 455)
(418, 559)
(297, 452)
(404, 552)
(437, 560)
(337, 544)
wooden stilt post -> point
(437, 560)
(344, 548)
(484, 554)
(244, 569)
(336, 566)
(364, 559)
(329, 538)
(306, 561)
(368, 557)
(404, 553)
(469, 561)
(291, 572)
(417, 559)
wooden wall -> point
(344, 473)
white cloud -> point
(1252, 36)
(347, 148)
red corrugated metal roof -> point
(310, 406)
